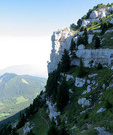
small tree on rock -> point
(97, 42)
(85, 37)
(62, 95)
(73, 45)
(65, 61)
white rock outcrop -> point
(103, 56)
(102, 131)
(79, 82)
(86, 22)
(52, 109)
(27, 128)
(60, 40)
(108, 31)
(94, 14)
(101, 13)
(84, 102)
(81, 46)
(88, 89)
(96, 31)
(92, 75)
(101, 110)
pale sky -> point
(26, 27)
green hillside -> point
(17, 92)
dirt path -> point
(44, 119)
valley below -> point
(17, 93)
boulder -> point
(88, 89)
(101, 110)
(84, 102)
(85, 22)
(81, 46)
(102, 13)
(94, 14)
(79, 82)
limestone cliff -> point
(60, 40)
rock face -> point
(101, 13)
(103, 56)
(86, 22)
(60, 40)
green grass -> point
(40, 127)
(94, 27)
(4, 114)
(21, 99)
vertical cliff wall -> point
(60, 40)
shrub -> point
(73, 45)
(53, 130)
(65, 61)
(81, 71)
(97, 42)
(108, 105)
(99, 66)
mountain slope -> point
(17, 92)
(80, 77)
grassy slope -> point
(72, 111)
(39, 125)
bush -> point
(99, 66)
(108, 105)
(97, 42)
(53, 130)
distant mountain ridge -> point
(27, 69)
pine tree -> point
(85, 37)
(65, 61)
(73, 45)
(53, 130)
(62, 95)
(81, 71)
(97, 42)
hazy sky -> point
(26, 27)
